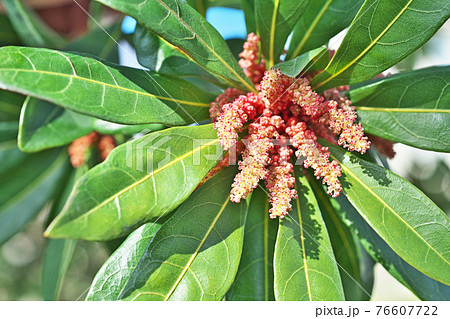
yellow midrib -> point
(126, 189)
(107, 84)
(366, 49)
(302, 239)
(399, 110)
(249, 87)
(191, 260)
(311, 28)
(272, 32)
(348, 171)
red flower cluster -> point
(78, 149)
(285, 113)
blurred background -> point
(21, 258)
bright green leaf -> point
(275, 20)
(400, 213)
(116, 271)
(401, 107)
(101, 89)
(254, 279)
(182, 26)
(421, 285)
(295, 66)
(304, 263)
(383, 33)
(322, 20)
(140, 180)
(195, 254)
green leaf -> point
(295, 66)
(30, 28)
(400, 213)
(322, 20)
(248, 6)
(10, 155)
(8, 35)
(182, 26)
(116, 271)
(275, 20)
(397, 109)
(423, 286)
(304, 264)
(44, 125)
(254, 278)
(158, 55)
(199, 5)
(101, 89)
(236, 46)
(10, 104)
(383, 33)
(140, 180)
(195, 255)
(355, 265)
(30, 186)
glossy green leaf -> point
(10, 155)
(195, 255)
(383, 33)
(30, 186)
(140, 180)
(8, 35)
(295, 66)
(322, 20)
(44, 125)
(254, 279)
(158, 55)
(400, 213)
(275, 20)
(31, 29)
(355, 265)
(304, 263)
(182, 26)
(423, 286)
(248, 6)
(101, 89)
(397, 109)
(116, 271)
(10, 105)
(199, 5)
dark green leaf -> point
(116, 271)
(304, 264)
(275, 20)
(10, 155)
(199, 5)
(254, 279)
(195, 255)
(248, 6)
(100, 89)
(236, 46)
(400, 213)
(322, 20)
(295, 66)
(158, 55)
(397, 109)
(182, 26)
(355, 265)
(30, 28)
(140, 180)
(383, 33)
(423, 286)
(8, 35)
(10, 104)
(30, 186)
